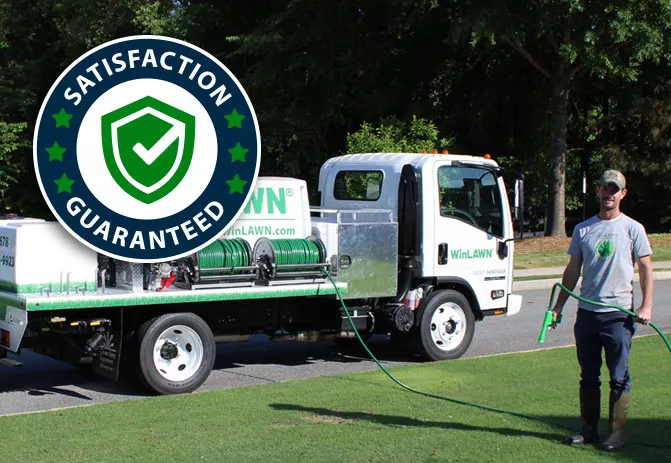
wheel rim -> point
(178, 353)
(448, 326)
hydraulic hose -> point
(450, 399)
(629, 312)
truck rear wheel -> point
(176, 353)
(446, 326)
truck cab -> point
(455, 235)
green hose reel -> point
(234, 260)
(224, 254)
(284, 258)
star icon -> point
(238, 153)
(62, 118)
(234, 119)
(55, 152)
(236, 185)
(64, 184)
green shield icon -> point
(148, 147)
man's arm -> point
(569, 279)
(644, 312)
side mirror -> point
(503, 249)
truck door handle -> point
(442, 254)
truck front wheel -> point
(446, 325)
(176, 353)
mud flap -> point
(106, 363)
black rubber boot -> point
(590, 413)
(618, 408)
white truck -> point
(419, 245)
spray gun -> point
(548, 324)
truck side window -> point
(471, 195)
(357, 185)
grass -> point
(558, 276)
(359, 418)
(551, 252)
(541, 259)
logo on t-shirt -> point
(605, 248)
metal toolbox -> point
(362, 246)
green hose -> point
(629, 312)
(224, 253)
(449, 399)
(295, 252)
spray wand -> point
(548, 324)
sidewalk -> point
(661, 271)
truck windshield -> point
(471, 194)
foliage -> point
(554, 88)
(10, 142)
(391, 135)
(563, 40)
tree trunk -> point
(556, 206)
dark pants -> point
(612, 332)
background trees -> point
(556, 88)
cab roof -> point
(400, 159)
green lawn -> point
(360, 418)
(541, 259)
(560, 258)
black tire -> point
(185, 353)
(446, 326)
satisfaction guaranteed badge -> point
(146, 148)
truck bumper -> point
(514, 304)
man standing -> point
(606, 247)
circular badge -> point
(146, 148)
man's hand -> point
(556, 314)
(644, 314)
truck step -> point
(10, 362)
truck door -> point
(472, 221)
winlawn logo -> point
(268, 200)
(146, 149)
(605, 248)
(471, 253)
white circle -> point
(98, 178)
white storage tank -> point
(36, 256)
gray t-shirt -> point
(609, 249)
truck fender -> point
(461, 285)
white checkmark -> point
(150, 155)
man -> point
(606, 247)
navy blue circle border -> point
(46, 133)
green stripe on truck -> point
(63, 302)
(53, 286)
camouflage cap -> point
(615, 177)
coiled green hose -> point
(224, 253)
(295, 252)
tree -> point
(315, 70)
(391, 135)
(561, 39)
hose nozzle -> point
(548, 324)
